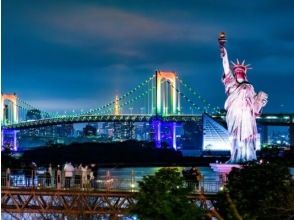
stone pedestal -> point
(223, 170)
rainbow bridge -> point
(162, 98)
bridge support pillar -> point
(169, 137)
(14, 140)
(157, 133)
(174, 137)
(9, 139)
(2, 138)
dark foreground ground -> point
(122, 154)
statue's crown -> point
(240, 66)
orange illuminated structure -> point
(9, 114)
(166, 93)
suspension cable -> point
(129, 101)
(141, 85)
(197, 95)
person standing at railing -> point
(50, 172)
(68, 173)
(58, 177)
(27, 173)
(91, 178)
(84, 176)
(48, 175)
(93, 175)
(33, 172)
(108, 180)
(8, 177)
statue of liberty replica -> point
(242, 106)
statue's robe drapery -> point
(242, 106)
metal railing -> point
(58, 181)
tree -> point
(9, 160)
(259, 191)
(164, 197)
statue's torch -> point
(222, 40)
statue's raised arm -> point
(224, 55)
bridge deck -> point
(100, 118)
(266, 119)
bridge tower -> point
(9, 111)
(9, 115)
(166, 103)
(116, 110)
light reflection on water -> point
(139, 172)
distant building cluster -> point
(206, 136)
(279, 138)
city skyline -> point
(79, 55)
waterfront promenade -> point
(109, 194)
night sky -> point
(61, 55)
